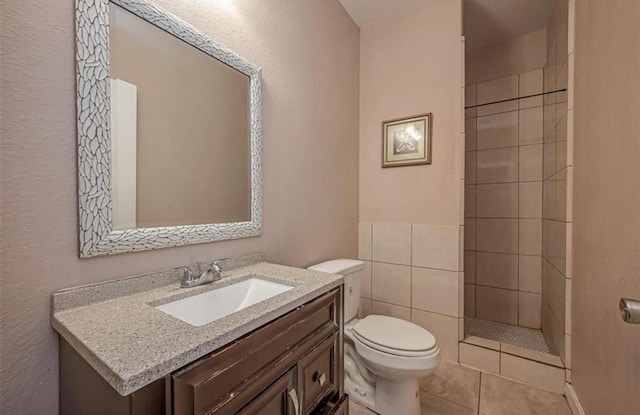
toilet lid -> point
(393, 335)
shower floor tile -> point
(506, 333)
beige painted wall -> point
(522, 54)
(193, 161)
(309, 55)
(606, 222)
(410, 65)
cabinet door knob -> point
(630, 310)
(293, 395)
(320, 378)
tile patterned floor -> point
(458, 390)
(506, 333)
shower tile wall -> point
(503, 199)
(557, 175)
(414, 272)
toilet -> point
(384, 356)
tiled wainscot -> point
(414, 272)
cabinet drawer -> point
(317, 373)
(222, 380)
(337, 407)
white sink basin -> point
(213, 305)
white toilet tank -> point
(351, 269)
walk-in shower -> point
(516, 218)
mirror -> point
(168, 132)
(179, 130)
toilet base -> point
(394, 397)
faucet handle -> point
(187, 275)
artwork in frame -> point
(407, 141)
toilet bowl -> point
(384, 356)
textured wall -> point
(412, 64)
(309, 55)
(606, 219)
(522, 54)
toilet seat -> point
(393, 366)
(388, 360)
(395, 336)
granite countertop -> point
(131, 344)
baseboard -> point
(572, 398)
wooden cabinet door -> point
(317, 373)
(277, 399)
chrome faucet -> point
(210, 274)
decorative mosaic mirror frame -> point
(97, 236)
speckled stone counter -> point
(131, 344)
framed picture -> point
(407, 141)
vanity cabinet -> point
(290, 366)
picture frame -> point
(407, 141)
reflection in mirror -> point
(180, 130)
